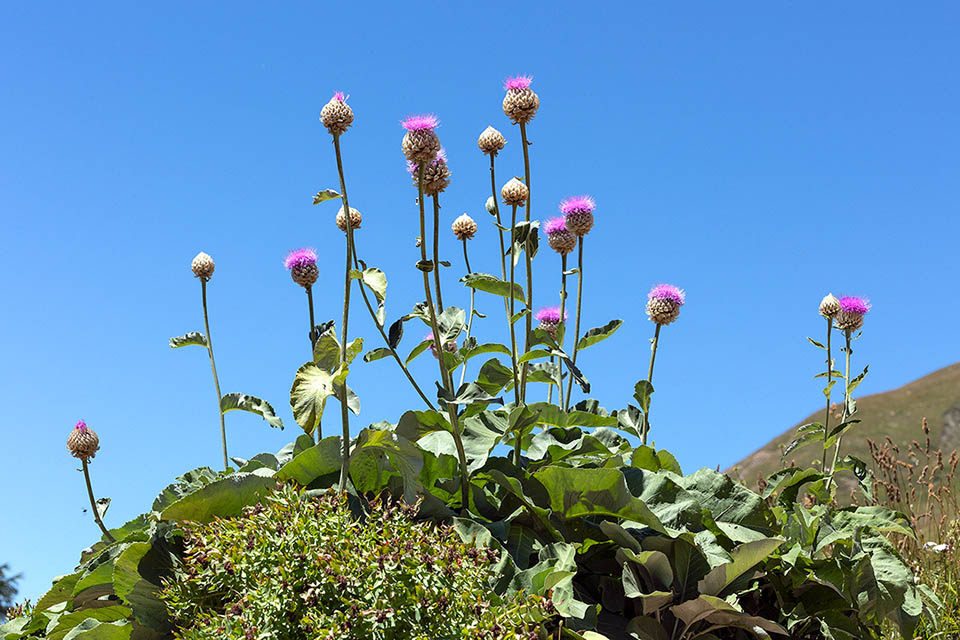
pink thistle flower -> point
(422, 122)
(855, 304)
(517, 83)
(551, 315)
(668, 292)
(81, 426)
(339, 97)
(300, 258)
(413, 167)
(577, 204)
(554, 225)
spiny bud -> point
(578, 211)
(337, 115)
(202, 266)
(521, 103)
(852, 310)
(355, 219)
(302, 265)
(491, 141)
(664, 302)
(560, 239)
(83, 442)
(420, 143)
(829, 306)
(464, 227)
(515, 192)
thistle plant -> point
(663, 307)
(302, 265)
(578, 219)
(563, 241)
(436, 178)
(83, 443)
(464, 228)
(551, 320)
(203, 266)
(829, 308)
(520, 104)
(515, 194)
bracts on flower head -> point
(337, 115)
(852, 310)
(202, 266)
(515, 192)
(560, 239)
(436, 173)
(578, 211)
(464, 227)
(450, 347)
(302, 265)
(491, 141)
(829, 306)
(420, 143)
(83, 442)
(664, 302)
(520, 103)
(550, 319)
(355, 219)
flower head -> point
(829, 306)
(441, 156)
(339, 97)
(336, 115)
(83, 441)
(854, 304)
(852, 310)
(300, 258)
(81, 425)
(464, 227)
(578, 204)
(550, 314)
(420, 122)
(555, 225)
(517, 83)
(202, 266)
(668, 292)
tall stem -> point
(653, 356)
(436, 250)
(826, 417)
(496, 209)
(213, 365)
(473, 293)
(563, 321)
(846, 408)
(439, 348)
(576, 333)
(317, 435)
(93, 502)
(529, 317)
(344, 411)
(513, 330)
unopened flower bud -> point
(202, 266)
(491, 141)
(664, 302)
(355, 219)
(515, 192)
(829, 306)
(336, 115)
(464, 227)
(83, 442)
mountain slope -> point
(896, 414)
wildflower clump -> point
(295, 566)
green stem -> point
(473, 293)
(93, 501)
(576, 333)
(439, 347)
(529, 317)
(653, 356)
(826, 417)
(513, 331)
(563, 321)
(846, 408)
(317, 434)
(344, 411)
(496, 210)
(213, 365)
(436, 250)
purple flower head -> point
(413, 167)
(550, 315)
(300, 258)
(577, 204)
(553, 225)
(668, 292)
(854, 304)
(339, 97)
(423, 122)
(81, 425)
(517, 83)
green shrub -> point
(296, 566)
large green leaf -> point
(252, 404)
(598, 334)
(308, 395)
(224, 498)
(317, 461)
(91, 629)
(377, 281)
(727, 500)
(719, 612)
(67, 622)
(492, 284)
(325, 194)
(743, 558)
(191, 338)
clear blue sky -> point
(757, 154)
